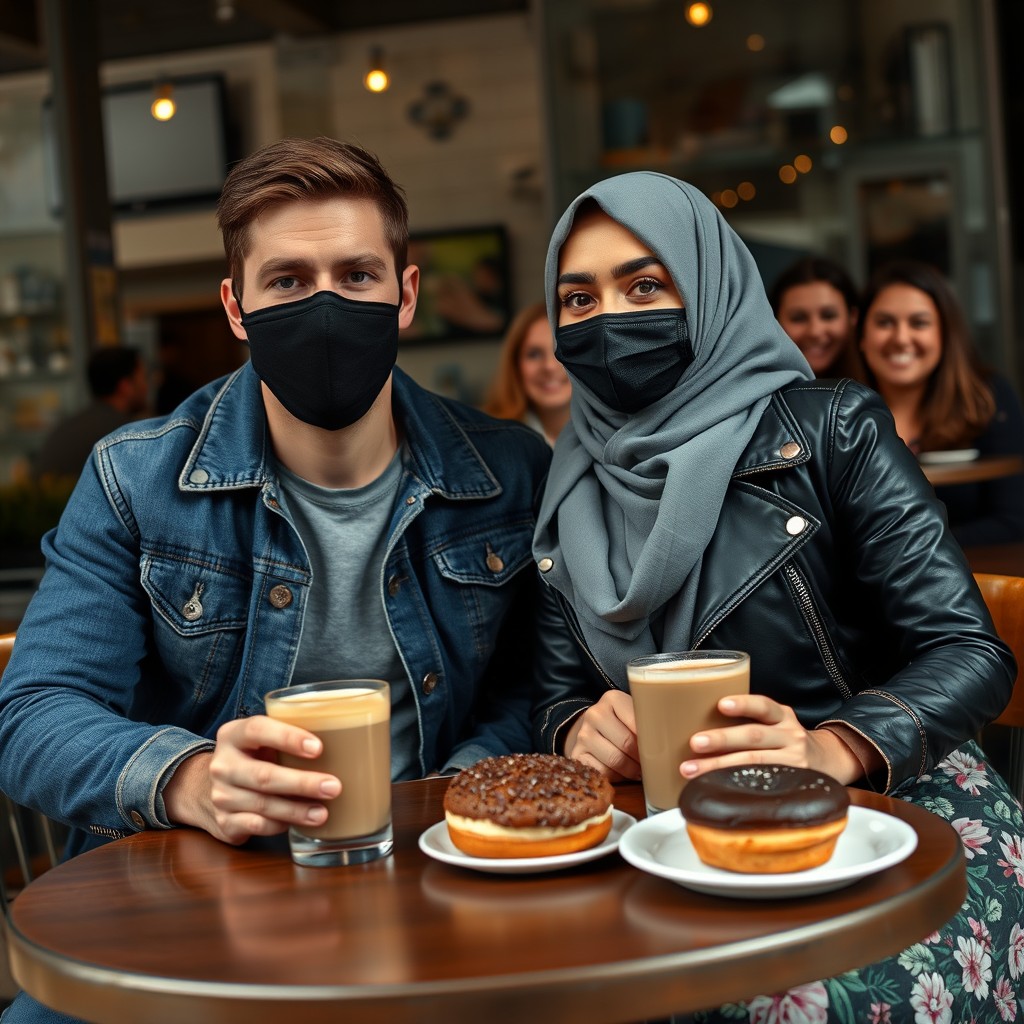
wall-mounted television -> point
(150, 163)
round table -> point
(991, 467)
(173, 926)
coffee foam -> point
(342, 708)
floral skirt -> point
(968, 972)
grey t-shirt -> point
(345, 632)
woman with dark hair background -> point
(920, 357)
(815, 301)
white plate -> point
(871, 841)
(435, 842)
(942, 458)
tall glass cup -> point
(352, 717)
(674, 696)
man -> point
(120, 391)
(315, 515)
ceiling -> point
(140, 28)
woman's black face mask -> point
(628, 360)
(325, 358)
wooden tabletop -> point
(174, 926)
(989, 468)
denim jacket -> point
(174, 593)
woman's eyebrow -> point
(632, 266)
(577, 278)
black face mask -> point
(628, 360)
(325, 358)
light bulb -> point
(163, 105)
(698, 15)
(376, 78)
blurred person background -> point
(816, 302)
(119, 385)
(921, 358)
(530, 384)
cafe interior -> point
(859, 130)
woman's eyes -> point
(639, 290)
(647, 286)
(576, 300)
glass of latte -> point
(674, 696)
(352, 718)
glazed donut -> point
(764, 819)
(527, 805)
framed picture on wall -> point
(464, 285)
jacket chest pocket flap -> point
(194, 596)
(489, 557)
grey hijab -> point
(633, 500)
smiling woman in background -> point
(816, 302)
(530, 385)
(919, 356)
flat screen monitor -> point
(154, 163)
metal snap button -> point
(198, 476)
(280, 596)
(193, 607)
(429, 683)
(137, 819)
(545, 564)
(411, 500)
(795, 525)
(494, 561)
(394, 585)
(790, 450)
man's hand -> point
(239, 790)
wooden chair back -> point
(1004, 596)
(16, 821)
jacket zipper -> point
(813, 620)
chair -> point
(1004, 596)
(25, 829)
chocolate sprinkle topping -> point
(529, 790)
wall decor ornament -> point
(438, 110)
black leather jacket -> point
(832, 566)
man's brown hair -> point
(300, 170)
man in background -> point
(120, 390)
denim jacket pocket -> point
(482, 566)
(489, 557)
(200, 610)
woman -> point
(816, 302)
(708, 493)
(917, 347)
(530, 384)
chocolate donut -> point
(764, 818)
(527, 805)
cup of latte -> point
(352, 718)
(674, 696)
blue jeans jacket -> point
(175, 586)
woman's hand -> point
(604, 736)
(771, 734)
